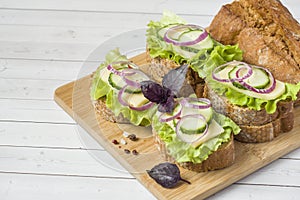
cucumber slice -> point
(118, 83)
(259, 78)
(207, 112)
(192, 50)
(161, 32)
(207, 43)
(192, 126)
(232, 75)
(189, 35)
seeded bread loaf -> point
(256, 126)
(266, 32)
(223, 157)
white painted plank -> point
(28, 88)
(46, 135)
(39, 135)
(17, 186)
(64, 34)
(70, 162)
(40, 69)
(48, 51)
(70, 51)
(155, 6)
(280, 172)
(28, 187)
(257, 192)
(104, 20)
(95, 163)
(293, 155)
(33, 111)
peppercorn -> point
(115, 142)
(127, 151)
(134, 152)
(132, 137)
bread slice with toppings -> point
(116, 93)
(251, 96)
(194, 136)
(256, 126)
(222, 158)
(172, 42)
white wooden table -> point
(42, 46)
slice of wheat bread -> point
(256, 126)
(223, 157)
(266, 132)
(102, 110)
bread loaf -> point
(266, 32)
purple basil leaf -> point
(174, 79)
(154, 92)
(163, 96)
(168, 105)
(166, 174)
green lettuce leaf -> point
(184, 152)
(102, 89)
(142, 118)
(240, 99)
(202, 62)
(205, 61)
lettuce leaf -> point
(205, 62)
(241, 99)
(142, 118)
(184, 152)
(202, 62)
(101, 89)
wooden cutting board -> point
(75, 100)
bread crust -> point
(222, 158)
(102, 110)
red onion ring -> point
(195, 116)
(236, 63)
(265, 90)
(118, 72)
(188, 43)
(124, 103)
(188, 102)
(120, 96)
(133, 83)
(176, 115)
(143, 107)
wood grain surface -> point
(75, 100)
